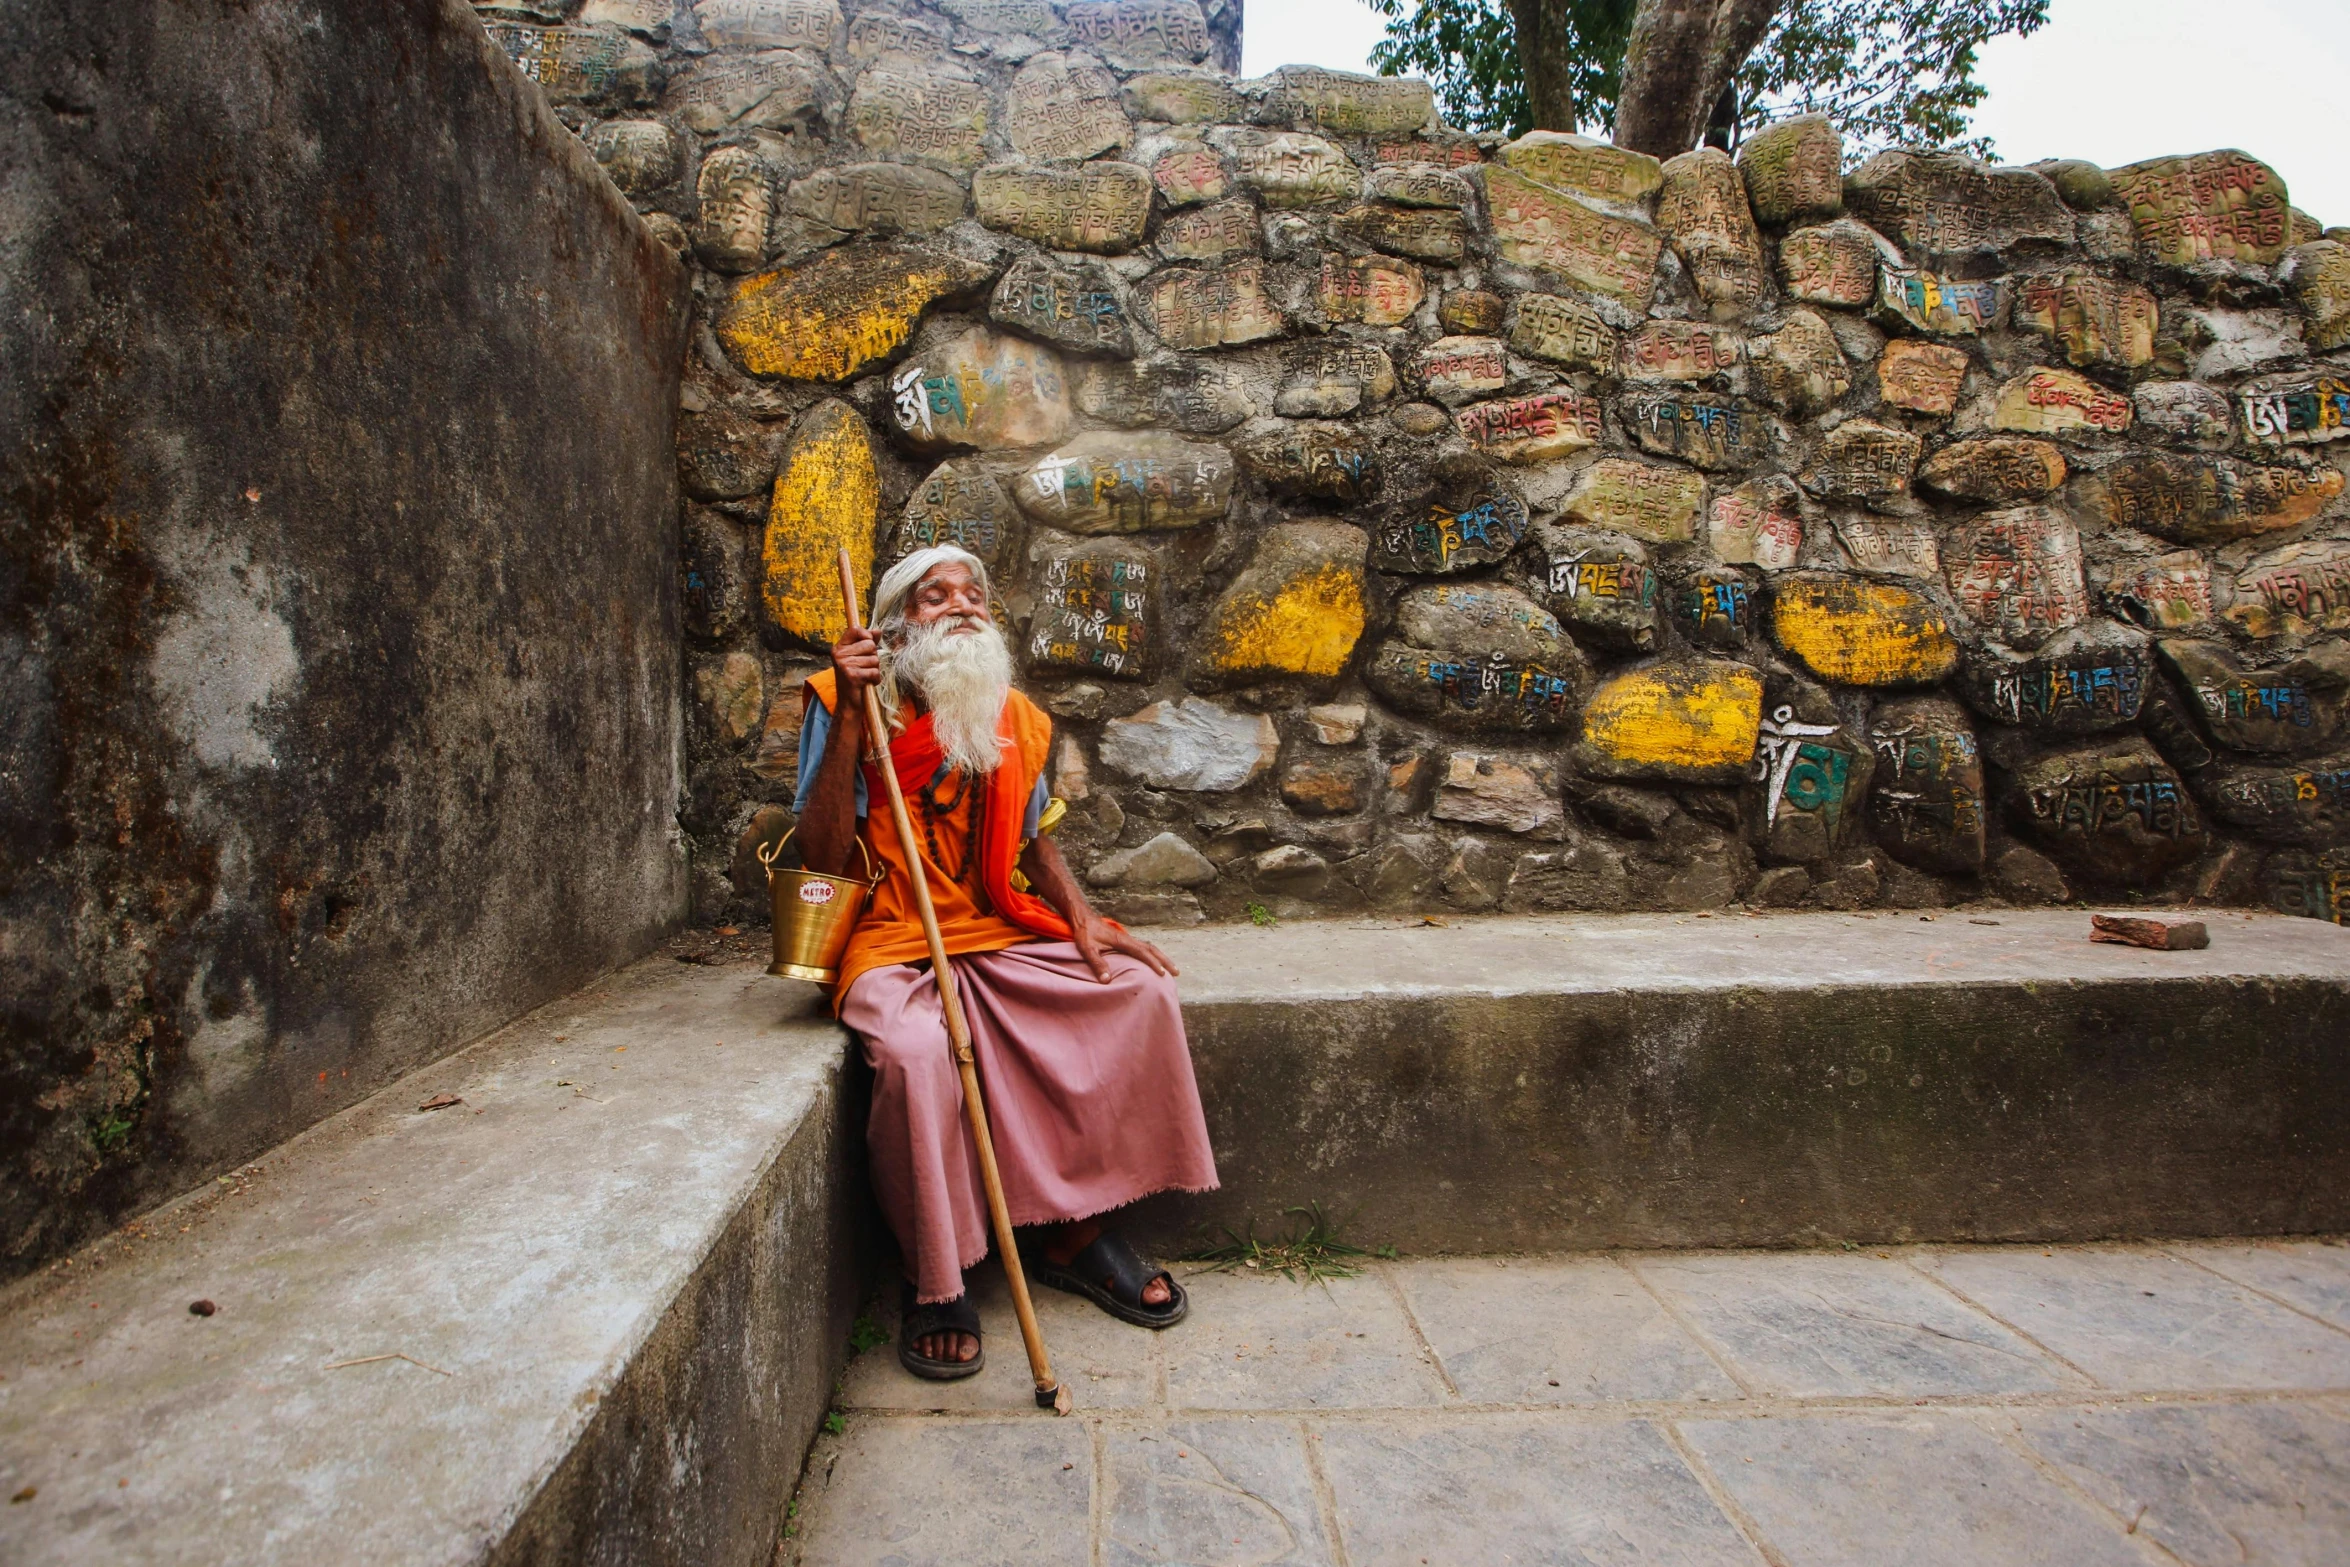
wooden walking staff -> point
(1050, 1394)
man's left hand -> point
(1096, 937)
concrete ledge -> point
(634, 1249)
(1662, 1080)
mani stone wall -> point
(339, 638)
(1398, 519)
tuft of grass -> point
(866, 1334)
(835, 1423)
(1262, 918)
(1312, 1251)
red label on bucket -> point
(818, 892)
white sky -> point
(2112, 81)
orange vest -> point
(981, 911)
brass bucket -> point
(814, 914)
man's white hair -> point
(899, 582)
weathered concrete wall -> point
(1397, 518)
(338, 617)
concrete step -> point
(1933, 1407)
(1734, 1080)
(620, 1274)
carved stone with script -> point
(1331, 376)
(1345, 104)
(1926, 806)
(1646, 500)
(2288, 709)
(2017, 573)
(1186, 172)
(1930, 302)
(1710, 432)
(1532, 429)
(1210, 307)
(2206, 500)
(1890, 546)
(1565, 330)
(1127, 482)
(2187, 412)
(1097, 612)
(1466, 519)
(1456, 370)
(1760, 523)
(1100, 207)
(1419, 185)
(983, 389)
(1948, 205)
(1195, 396)
(734, 199)
(827, 319)
(1597, 171)
(1703, 211)
(2213, 206)
(1801, 367)
(2114, 812)
(1537, 226)
(2088, 680)
(923, 116)
(1072, 305)
(2318, 276)
(1835, 264)
(2295, 410)
(962, 504)
(1681, 351)
(2058, 402)
(1184, 98)
(1216, 232)
(1794, 170)
(1480, 657)
(776, 90)
(879, 198)
(1370, 289)
(2298, 590)
(767, 24)
(2098, 320)
(1065, 106)
(1424, 233)
(1287, 169)
(640, 155)
(2168, 593)
(1130, 33)
(1921, 377)
(1313, 457)
(1866, 461)
(1602, 588)
(1996, 468)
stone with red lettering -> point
(1372, 290)
(2298, 590)
(2212, 206)
(1834, 264)
(2059, 402)
(2018, 573)
(1703, 211)
(1946, 205)
(2205, 500)
(1996, 468)
(1866, 461)
(1681, 351)
(1187, 172)
(1921, 377)
(1456, 370)
(1532, 429)
(1537, 226)
(1760, 523)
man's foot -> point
(1067, 1240)
(939, 1342)
(1108, 1272)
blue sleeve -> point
(815, 730)
(1035, 816)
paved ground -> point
(2080, 1406)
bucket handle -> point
(769, 853)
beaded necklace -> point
(934, 809)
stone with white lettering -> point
(1287, 169)
(1926, 804)
(1598, 171)
(582, 64)
(1944, 306)
(2114, 812)
(1865, 461)
(776, 89)
(1834, 264)
(2186, 411)
(1921, 377)
(2018, 573)
(1532, 429)
(1794, 170)
(1101, 207)
(1948, 205)
(1456, 370)
(766, 24)
(1210, 307)
(1711, 432)
(1760, 523)
(2288, 709)
(1801, 366)
(2059, 402)
(1479, 657)
(1537, 226)
(1184, 98)
(2098, 320)
(1097, 612)
(1072, 305)
(1467, 518)
(899, 110)
(879, 198)
(1065, 106)
(1313, 457)
(2084, 681)
(1602, 588)
(962, 504)
(1645, 500)
(1996, 468)
(1565, 330)
(984, 389)
(1703, 211)
(1131, 33)
(1112, 481)
(2206, 500)
(2212, 206)
(1372, 290)
(2295, 410)
(640, 155)
(1424, 233)
(1345, 104)
(1810, 776)
(2297, 590)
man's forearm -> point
(829, 825)
(1049, 874)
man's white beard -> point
(963, 677)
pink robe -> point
(1090, 1098)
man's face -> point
(948, 592)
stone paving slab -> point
(1977, 1406)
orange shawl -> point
(891, 931)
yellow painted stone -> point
(1861, 633)
(826, 497)
(830, 318)
(1691, 720)
(1297, 610)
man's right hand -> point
(856, 663)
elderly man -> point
(1074, 1021)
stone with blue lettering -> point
(1717, 607)
(1467, 518)
(1314, 457)
(2113, 813)
(1601, 586)
(2084, 681)
(1480, 657)
(2302, 803)
(1708, 432)
(1072, 305)
(2289, 709)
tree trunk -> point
(1682, 56)
(1546, 45)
